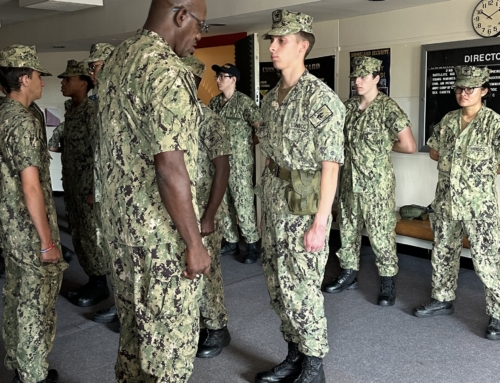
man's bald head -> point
(176, 21)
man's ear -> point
(304, 45)
(24, 80)
(180, 16)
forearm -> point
(175, 191)
(219, 186)
(406, 142)
(329, 177)
(35, 203)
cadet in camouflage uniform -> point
(98, 55)
(77, 170)
(240, 114)
(27, 213)
(466, 144)
(148, 115)
(374, 126)
(301, 131)
(213, 174)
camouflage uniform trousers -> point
(83, 233)
(106, 257)
(484, 240)
(293, 275)
(239, 199)
(158, 311)
(378, 214)
(212, 307)
(29, 311)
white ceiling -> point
(238, 21)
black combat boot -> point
(345, 281)
(52, 377)
(106, 316)
(286, 371)
(387, 296)
(252, 253)
(75, 294)
(229, 248)
(213, 343)
(434, 308)
(95, 293)
(2, 265)
(493, 330)
(312, 371)
(67, 254)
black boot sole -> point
(352, 286)
(386, 303)
(433, 313)
(495, 336)
(105, 318)
(94, 301)
(215, 352)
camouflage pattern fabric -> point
(74, 68)
(363, 66)
(76, 138)
(158, 312)
(287, 23)
(214, 142)
(56, 140)
(367, 182)
(468, 162)
(148, 105)
(239, 113)
(483, 236)
(471, 76)
(99, 52)
(22, 56)
(31, 288)
(301, 133)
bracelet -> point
(48, 248)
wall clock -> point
(486, 18)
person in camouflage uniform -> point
(301, 131)
(28, 222)
(240, 114)
(148, 117)
(77, 171)
(98, 55)
(374, 126)
(466, 144)
(213, 174)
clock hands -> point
(488, 16)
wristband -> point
(48, 248)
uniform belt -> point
(279, 171)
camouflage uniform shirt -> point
(22, 145)
(370, 136)
(143, 92)
(214, 142)
(468, 162)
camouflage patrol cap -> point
(287, 23)
(22, 56)
(99, 52)
(364, 65)
(471, 76)
(196, 66)
(74, 68)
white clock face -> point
(486, 18)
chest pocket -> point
(480, 160)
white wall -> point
(404, 31)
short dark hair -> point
(88, 80)
(309, 37)
(9, 78)
(488, 95)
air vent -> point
(61, 5)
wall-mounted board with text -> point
(437, 96)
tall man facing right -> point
(374, 126)
(240, 115)
(148, 115)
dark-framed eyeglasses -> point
(467, 90)
(202, 25)
(93, 67)
(222, 76)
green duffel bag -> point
(304, 192)
(414, 212)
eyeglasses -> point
(202, 25)
(467, 90)
(222, 76)
(94, 67)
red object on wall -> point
(220, 40)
